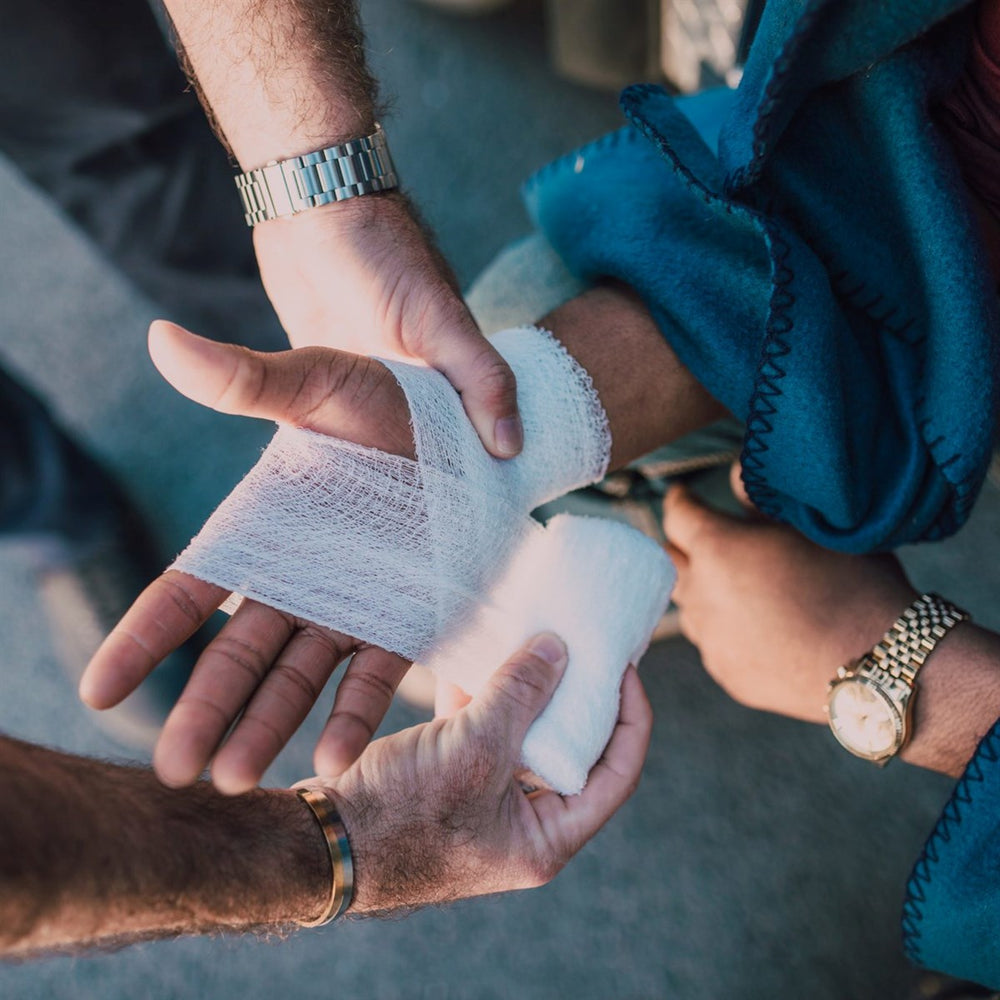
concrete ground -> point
(757, 861)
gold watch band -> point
(869, 703)
(902, 651)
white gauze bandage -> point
(438, 559)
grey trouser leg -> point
(95, 111)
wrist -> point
(303, 859)
(277, 869)
(280, 80)
(347, 221)
(958, 702)
(359, 817)
(650, 398)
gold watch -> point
(870, 702)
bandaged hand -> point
(267, 664)
(439, 559)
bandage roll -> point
(602, 587)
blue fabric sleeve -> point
(819, 271)
(951, 917)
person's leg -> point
(88, 548)
(96, 112)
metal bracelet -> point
(283, 188)
(913, 636)
(341, 861)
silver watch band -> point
(901, 652)
(286, 187)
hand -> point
(362, 276)
(264, 663)
(772, 614)
(435, 813)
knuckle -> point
(293, 684)
(257, 726)
(331, 642)
(367, 685)
(525, 681)
(344, 718)
(181, 597)
(324, 374)
(494, 381)
(241, 654)
(543, 870)
(245, 385)
(632, 785)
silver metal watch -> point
(286, 187)
(870, 701)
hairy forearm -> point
(278, 77)
(649, 396)
(958, 700)
(94, 853)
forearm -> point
(279, 77)
(649, 396)
(93, 853)
(958, 700)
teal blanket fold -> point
(951, 918)
(807, 247)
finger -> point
(737, 486)
(324, 390)
(570, 822)
(685, 517)
(448, 699)
(677, 557)
(363, 697)
(224, 678)
(277, 709)
(481, 376)
(518, 691)
(163, 616)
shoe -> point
(89, 571)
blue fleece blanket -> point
(818, 267)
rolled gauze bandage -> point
(421, 556)
(600, 585)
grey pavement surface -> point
(757, 861)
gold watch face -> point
(864, 719)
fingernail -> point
(548, 647)
(509, 435)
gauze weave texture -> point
(421, 557)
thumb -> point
(324, 390)
(519, 690)
(480, 375)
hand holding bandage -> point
(438, 558)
